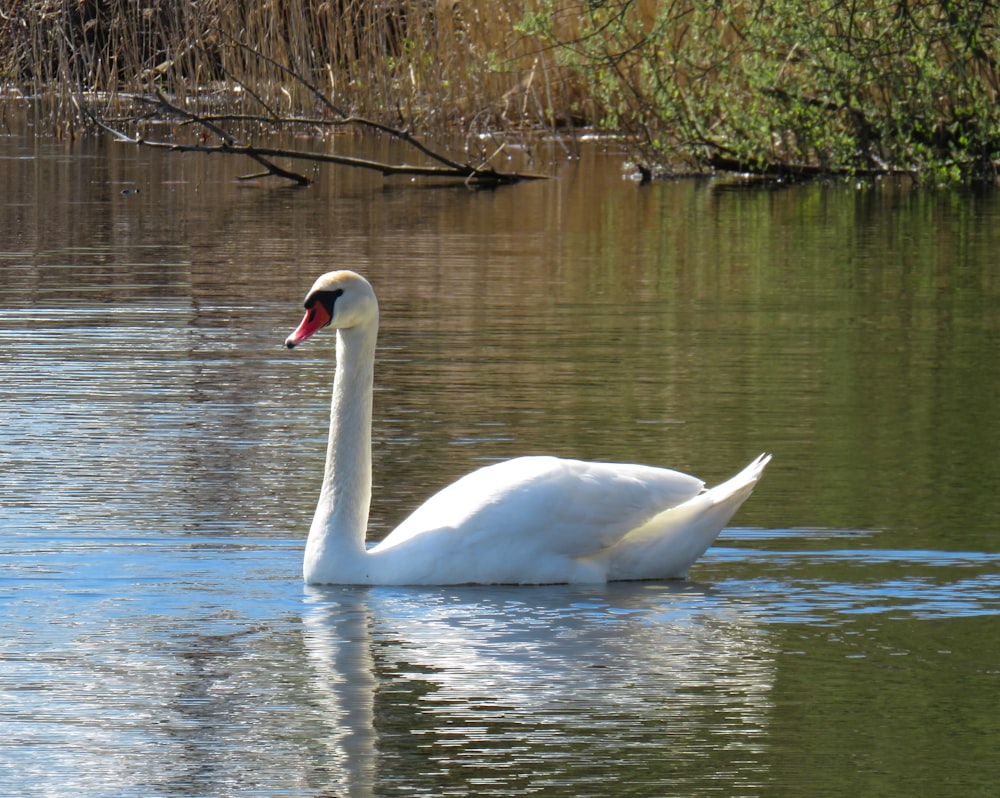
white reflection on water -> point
(514, 690)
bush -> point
(792, 87)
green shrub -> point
(794, 87)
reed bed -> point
(434, 64)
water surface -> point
(160, 456)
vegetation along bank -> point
(784, 87)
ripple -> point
(795, 586)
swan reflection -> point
(504, 689)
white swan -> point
(530, 520)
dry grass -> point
(435, 64)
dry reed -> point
(434, 64)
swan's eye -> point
(326, 299)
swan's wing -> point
(546, 505)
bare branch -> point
(480, 175)
(229, 141)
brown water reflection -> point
(851, 331)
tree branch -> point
(479, 175)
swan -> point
(530, 520)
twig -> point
(231, 142)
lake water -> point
(160, 456)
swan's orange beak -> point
(316, 318)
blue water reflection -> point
(172, 666)
(913, 582)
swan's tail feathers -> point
(667, 545)
(742, 483)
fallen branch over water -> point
(162, 109)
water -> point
(160, 455)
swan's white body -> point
(531, 520)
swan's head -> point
(340, 299)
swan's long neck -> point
(336, 542)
